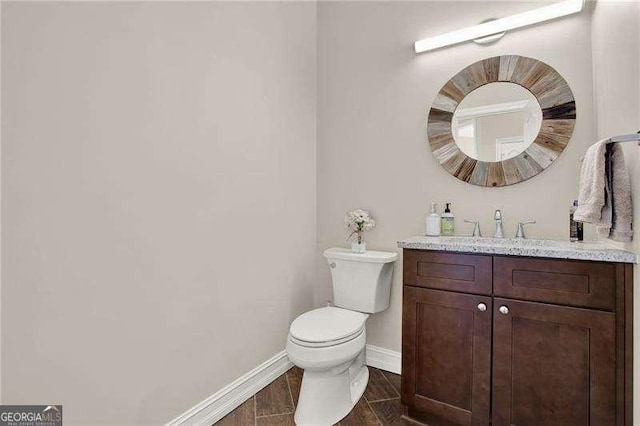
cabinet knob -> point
(482, 307)
(504, 310)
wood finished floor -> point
(275, 404)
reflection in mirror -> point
(496, 121)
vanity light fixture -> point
(490, 28)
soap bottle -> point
(433, 221)
(447, 221)
(576, 229)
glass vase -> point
(359, 246)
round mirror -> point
(501, 120)
(496, 122)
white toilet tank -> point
(361, 281)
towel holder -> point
(632, 137)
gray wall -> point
(373, 97)
(158, 193)
(616, 70)
(159, 178)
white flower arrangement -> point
(359, 220)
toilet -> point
(329, 343)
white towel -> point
(591, 198)
(605, 192)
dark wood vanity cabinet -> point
(553, 365)
(516, 341)
(446, 355)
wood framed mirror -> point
(501, 121)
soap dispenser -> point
(576, 229)
(447, 221)
(433, 221)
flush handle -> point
(504, 310)
(482, 307)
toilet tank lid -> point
(370, 256)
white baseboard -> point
(234, 394)
(384, 359)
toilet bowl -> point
(329, 343)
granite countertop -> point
(522, 247)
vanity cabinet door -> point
(446, 352)
(553, 365)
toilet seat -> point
(326, 344)
(327, 326)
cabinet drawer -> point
(566, 282)
(448, 271)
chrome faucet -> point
(497, 216)
(520, 232)
(476, 228)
